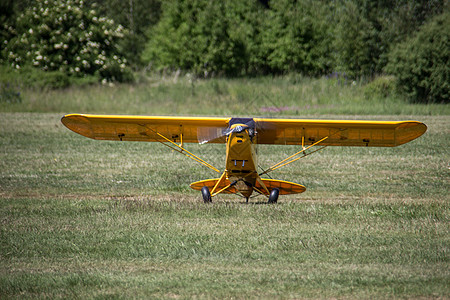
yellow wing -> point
(269, 131)
(145, 128)
(338, 132)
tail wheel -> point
(273, 197)
(206, 194)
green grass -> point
(266, 96)
(96, 219)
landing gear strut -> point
(206, 195)
(273, 197)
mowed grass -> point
(97, 219)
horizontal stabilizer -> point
(210, 183)
(285, 187)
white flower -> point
(39, 57)
(30, 31)
(77, 69)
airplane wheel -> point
(273, 197)
(206, 194)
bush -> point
(66, 37)
(9, 93)
(381, 87)
(29, 77)
(421, 63)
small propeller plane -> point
(241, 135)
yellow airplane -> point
(241, 136)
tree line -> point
(357, 39)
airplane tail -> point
(285, 187)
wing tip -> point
(78, 123)
(409, 131)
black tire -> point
(273, 197)
(206, 194)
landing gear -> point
(273, 197)
(206, 195)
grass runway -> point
(90, 219)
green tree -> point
(67, 36)
(354, 39)
(137, 16)
(205, 37)
(295, 37)
(366, 30)
(421, 63)
(9, 10)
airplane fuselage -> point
(241, 159)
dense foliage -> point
(240, 38)
(136, 16)
(204, 36)
(421, 63)
(366, 31)
(352, 39)
(67, 36)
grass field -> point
(89, 219)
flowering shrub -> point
(67, 36)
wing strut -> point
(293, 157)
(221, 179)
(179, 148)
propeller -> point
(219, 134)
